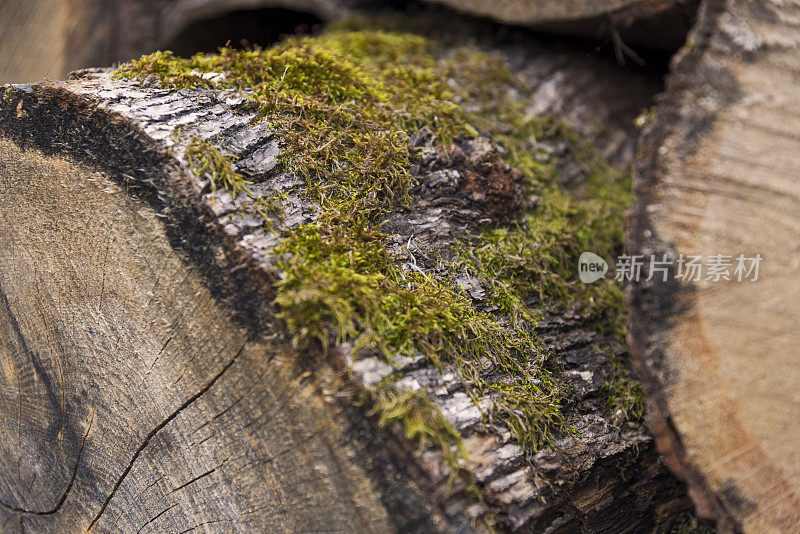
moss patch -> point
(535, 258)
(345, 105)
(342, 103)
(208, 162)
(624, 396)
(340, 284)
(694, 526)
(421, 421)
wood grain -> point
(720, 176)
(122, 376)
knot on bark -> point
(488, 179)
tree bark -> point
(147, 386)
(718, 175)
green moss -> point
(208, 162)
(340, 284)
(421, 421)
(345, 105)
(693, 526)
(647, 116)
(535, 257)
(165, 69)
(624, 395)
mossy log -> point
(146, 384)
(718, 176)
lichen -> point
(345, 105)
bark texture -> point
(718, 175)
(147, 386)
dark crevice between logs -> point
(240, 29)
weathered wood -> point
(146, 385)
(719, 175)
(121, 396)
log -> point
(659, 24)
(50, 38)
(26, 37)
(591, 93)
(149, 384)
(718, 175)
(47, 39)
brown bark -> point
(718, 175)
(146, 385)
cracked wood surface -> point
(720, 176)
(137, 401)
(146, 386)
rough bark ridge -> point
(718, 175)
(140, 338)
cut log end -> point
(125, 376)
(719, 177)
